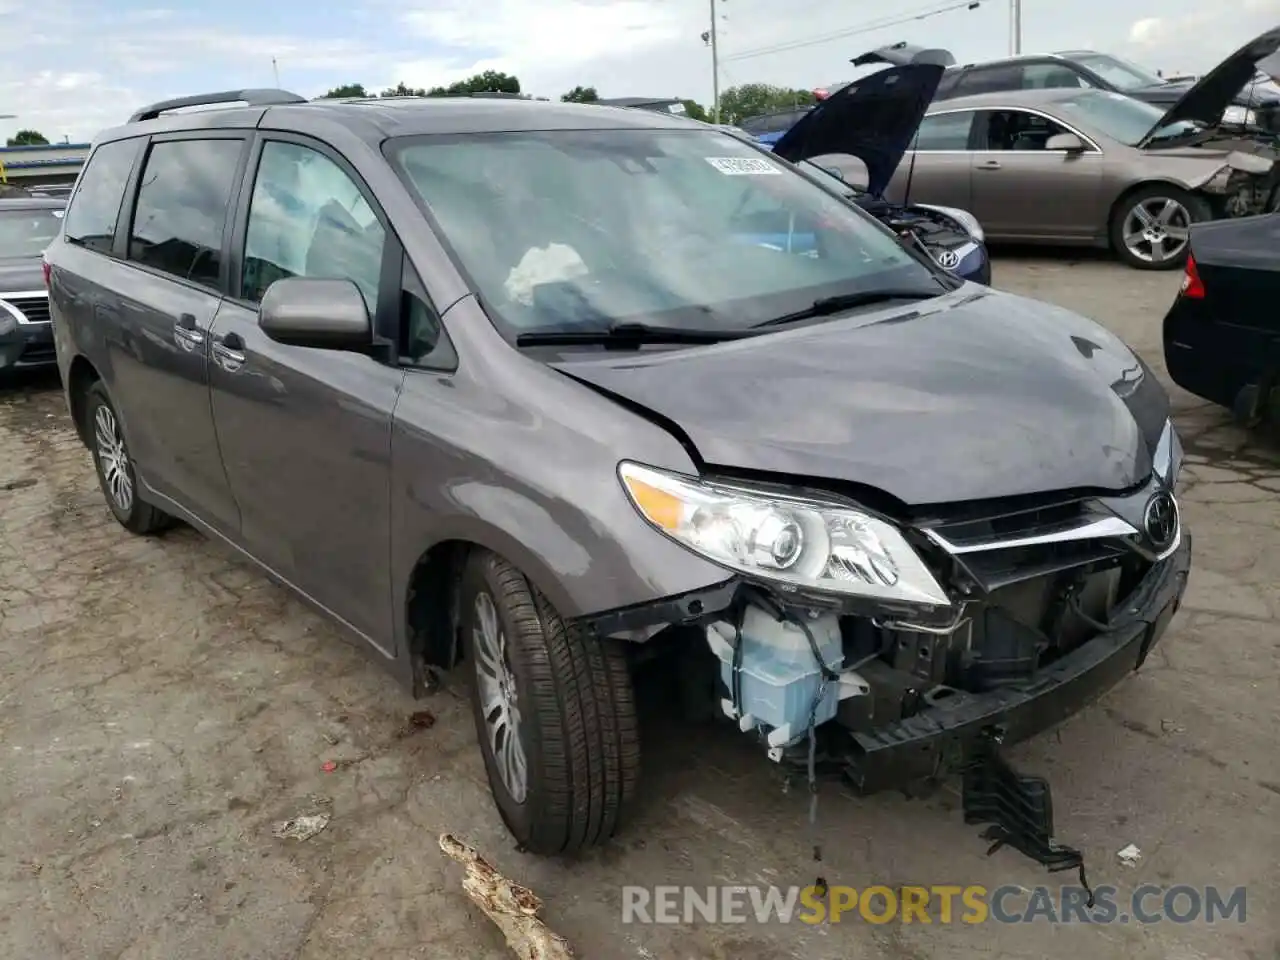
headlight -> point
(1240, 116)
(1167, 459)
(968, 222)
(795, 541)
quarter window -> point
(95, 208)
(308, 218)
(945, 131)
(183, 197)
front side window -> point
(95, 208)
(582, 228)
(1119, 73)
(1019, 130)
(945, 131)
(25, 233)
(308, 218)
(183, 198)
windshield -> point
(1121, 118)
(1118, 73)
(581, 229)
(25, 233)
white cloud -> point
(1199, 39)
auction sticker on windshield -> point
(742, 166)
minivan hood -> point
(20, 275)
(1210, 96)
(970, 396)
(873, 119)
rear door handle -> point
(989, 165)
(228, 350)
(187, 333)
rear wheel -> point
(554, 710)
(115, 469)
(1150, 228)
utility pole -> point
(715, 68)
(275, 69)
(1015, 34)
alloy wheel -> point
(498, 699)
(113, 458)
(1157, 229)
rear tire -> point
(1149, 227)
(566, 698)
(114, 465)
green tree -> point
(28, 138)
(696, 111)
(402, 89)
(755, 99)
(581, 95)
(347, 90)
(491, 81)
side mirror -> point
(314, 312)
(1068, 142)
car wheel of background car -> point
(115, 467)
(1150, 228)
(554, 710)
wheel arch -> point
(81, 375)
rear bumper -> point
(943, 734)
(1214, 357)
(25, 345)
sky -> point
(74, 67)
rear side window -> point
(990, 80)
(945, 131)
(183, 196)
(1050, 76)
(95, 208)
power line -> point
(868, 27)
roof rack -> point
(263, 97)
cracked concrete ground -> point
(161, 705)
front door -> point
(158, 340)
(1023, 191)
(305, 434)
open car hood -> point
(1210, 96)
(874, 119)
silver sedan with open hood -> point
(1098, 168)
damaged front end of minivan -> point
(896, 651)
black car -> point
(1222, 335)
(1256, 101)
(27, 226)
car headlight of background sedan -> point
(802, 542)
(1240, 115)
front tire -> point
(114, 465)
(1150, 228)
(554, 711)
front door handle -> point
(187, 333)
(228, 351)
(989, 165)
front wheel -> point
(1151, 228)
(114, 466)
(554, 710)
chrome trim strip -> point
(1088, 140)
(1095, 530)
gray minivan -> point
(549, 389)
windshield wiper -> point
(825, 306)
(625, 336)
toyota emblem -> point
(1160, 520)
(949, 259)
